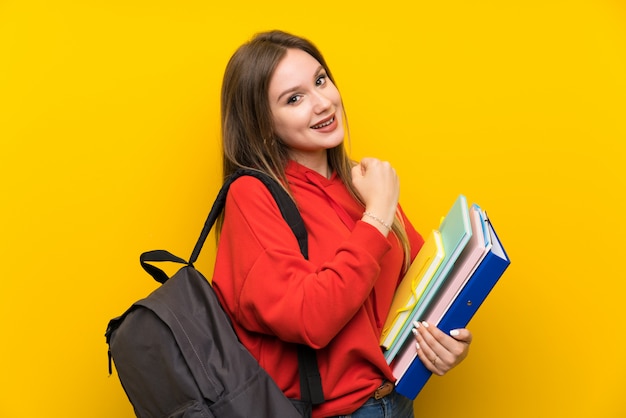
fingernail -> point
(425, 324)
(417, 346)
(454, 332)
(416, 324)
(415, 332)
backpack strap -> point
(310, 380)
(287, 207)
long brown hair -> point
(248, 135)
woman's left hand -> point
(438, 351)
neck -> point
(317, 163)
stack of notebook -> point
(445, 285)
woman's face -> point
(306, 108)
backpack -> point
(176, 352)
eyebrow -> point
(298, 87)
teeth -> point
(321, 125)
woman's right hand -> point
(378, 185)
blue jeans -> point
(393, 405)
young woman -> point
(282, 114)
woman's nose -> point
(321, 102)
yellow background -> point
(109, 129)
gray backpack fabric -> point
(177, 355)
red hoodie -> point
(336, 302)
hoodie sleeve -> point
(269, 287)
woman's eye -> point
(293, 99)
(321, 80)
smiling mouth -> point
(323, 124)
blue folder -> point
(461, 310)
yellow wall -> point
(109, 130)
